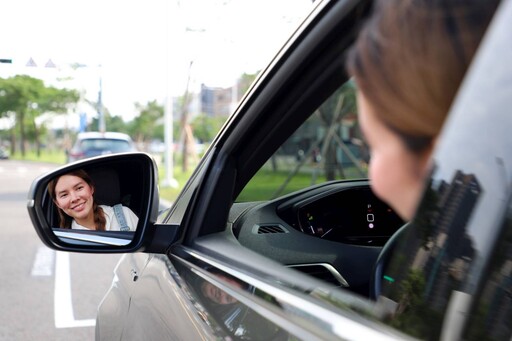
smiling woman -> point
(73, 194)
(86, 204)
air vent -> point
(269, 229)
(322, 271)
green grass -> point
(171, 193)
(57, 157)
(268, 184)
(265, 184)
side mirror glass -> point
(102, 204)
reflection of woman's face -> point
(217, 295)
(74, 196)
(396, 173)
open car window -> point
(327, 146)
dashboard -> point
(352, 216)
(334, 231)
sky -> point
(143, 50)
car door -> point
(276, 302)
(268, 300)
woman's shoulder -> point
(129, 211)
(76, 226)
(107, 209)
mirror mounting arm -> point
(163, 236)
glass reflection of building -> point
(421, 286)
(494, 303)
(451, 250)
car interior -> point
(317, 230)
(318, 211)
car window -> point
(327, 146)
(105, 144)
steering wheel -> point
(383, 260)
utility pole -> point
(101, 116)
(169, 180)
(186, 133)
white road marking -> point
(63, 306)
(43, 263)
(22, 171)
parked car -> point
(242, 256)
(4, 154)
(89, 144)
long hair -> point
(65, 220)
(410, 58)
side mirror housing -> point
(128, 179)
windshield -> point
(105, 144)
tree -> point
(205, 127)
(52, 100)
(148, 122)
(16, 97)
(112, 123)
(245, 82)
(332, 111)
(25, 98)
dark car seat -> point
(107, 189)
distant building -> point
(217, 102)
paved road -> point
(44, 295)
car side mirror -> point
(103, 204)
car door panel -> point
(160, 304)
(300, 305)
(115, 306)
(178, 293)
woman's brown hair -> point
(64, 219)
(410, 58)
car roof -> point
(105, 135)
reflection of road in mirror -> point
(94, 238)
